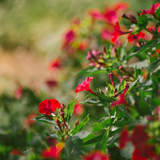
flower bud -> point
(77, 122)
(111, 78)
(63, 106)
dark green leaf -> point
(142, 21)
(148, 45)
(154, 67)
(94, 140)
(90, 101)
(69, 110)
(80, 126)
(44, 119)
(80, 135)
(102, 145)
(158, 12)
(92, 71)
(100, 126)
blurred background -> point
(31, 36)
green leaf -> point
(143, 21)
(148, 45)
(154, 67)
(144, 108)
(93, 140)
(69, 110)
(122, 85)
(100, 126)
(102, 145)
(136, 30)
(44, 119)
(139, 65)
(53, 135)
(80, 135)
(90, 101)
(133, 84)
(104, 97)
(158, 12)
(80, 126)
(92, 71)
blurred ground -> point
(30, 36)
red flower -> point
(132, 38)
(78, 109)
(118, 32)
(53, 152)
(19, 92)
(111, 16)
(137, 156)
(107, 34)
(48, 106)
(84, 86)
(28, 121)
(56, 63)
(51, 84)
(96, 14)
(16, 152)
(139, 137)
(83, 46)
(152, 10)
(121, 99)
(121, 6)
(124, 138)
(96, 155)
(69, 37)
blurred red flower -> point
(124, 138)
(19, 92)
(16, 152)
(53, 152)
(69, 37)
(96, 155)
(56, 63)
(51, 84)
(152, 10)
(135, 37)
(78, 109)
(48, 106)
(28, 121)
(84, 86)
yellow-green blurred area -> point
(31, 33)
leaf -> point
(142, 21)
(69, 110)
(144, 108)
(102, 145)
(158, 12)
(104, 98)
(44, 119)
(80, 126)
(139, 65)
(80, 135)
(122, 85)
(154, 67)
(53, 135)
(132, 84)
(148, 45)
(90, 101)
(92, 71)
(100, 126)
(93, 140)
